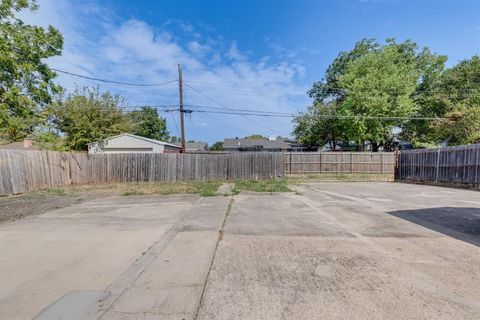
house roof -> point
(16, 146)
(200, 146)
(249, 143)
(196, 146)
(138, 137)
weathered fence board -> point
(453, 165)
(339, 162)
(22, 171)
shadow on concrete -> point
(460, 223)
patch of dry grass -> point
(280, 185)
(205, 189)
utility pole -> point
(182, 111)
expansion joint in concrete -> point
(220, 238)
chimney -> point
(27, 143)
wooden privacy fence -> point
(453, 165)
(339, 162)
(22, 171)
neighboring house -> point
(130, 143)
(26, 144)
(270, 145)
(196, 147)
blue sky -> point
(259, 55)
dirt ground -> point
(34, 203)
(326, 251)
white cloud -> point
(196, 48)
(234, 54)
(99, 44)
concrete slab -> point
(331, 251)
(171, 286)
(225, 189)
(84, 247)
(336, 252)
(75, 305)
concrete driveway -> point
(331, 251)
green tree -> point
(174, 139)
(457, 98)
(329, 90)
(427, 97)
(87, 116)
(319, 126)
(217, 146)
(374, 80)
(380, 84)
(148, 124)
(25, 79)
(49, 140)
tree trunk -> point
(361, 146)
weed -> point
(56, 191)
(261, 186)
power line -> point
(250, 112)
(432, 92)
(175, 122)
(236, 109)
(319, 116)
(195, 135)
(225, 107)
(244, 113)
(473, 91)
(115, 82)
(208, 117)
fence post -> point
(320, 160)
(290, 169)
(351, 162)
(438, 165)
(381, 162)
(477, 163)
(395, 165)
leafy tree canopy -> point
(315, 128)
(380, 84)
(88, 115)
(25, 79)
(217, 146)
(329, 89)
(458, 96)
(371, 80)
(148, 124)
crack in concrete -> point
(220, 238)
(125, 281)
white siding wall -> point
(126, 144)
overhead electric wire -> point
(208, 117)
(249, 112)
(175, 122)
(195, 135)
(115, 82)
(319, 116)
(225, 107)
(236, 109)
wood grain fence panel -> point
(338, 162)
(452, 165)
(22, 171)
